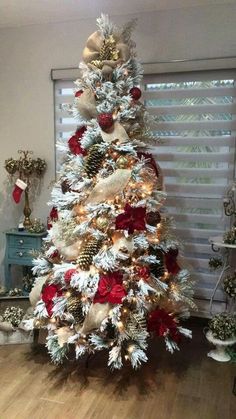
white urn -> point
(219, 353)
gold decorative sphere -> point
(102, 222)
(122, 162)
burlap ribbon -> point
(92, 53)
(122, 243)
(117, 133)
(35, 293)
(86, 105)
(109, 187)
(97, 313)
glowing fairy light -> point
(130, 349)
(120, 325)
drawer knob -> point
(21, 241)
(20, 254)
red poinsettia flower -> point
(132, 219)
(151, 160)
(54, 214)
(74, 142)
(171, 262)
(110, 289)
(162, 323)
(48, 293)
(68, 275)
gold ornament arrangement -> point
(229, 203)
(105, 54)
(24, 170)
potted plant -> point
(12, 328)
(221, 333)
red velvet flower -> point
(162, 323)
(171, 262)
(68, 275)
(48, 293)
(151, 161)
(54, 214)
(110, 289)
(74, 142)
(132, 219)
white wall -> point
(27, 54)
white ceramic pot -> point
(219, 353)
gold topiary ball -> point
(102, 222)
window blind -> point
(195, 123)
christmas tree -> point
(109, 276)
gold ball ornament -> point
(122, 162)
(102, 222)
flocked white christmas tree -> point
(109, 277)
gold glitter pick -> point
(108, 50)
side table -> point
(19, 246)
(217, 244)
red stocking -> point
(19, 188)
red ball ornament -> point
(105, 121)
(135, 93)
(78, 93)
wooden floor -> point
(187, 385)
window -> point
(196, 125)
(195, 122)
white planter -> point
(15, 337)
(219, 353)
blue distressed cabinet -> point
(18, 250)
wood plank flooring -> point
(186, 385)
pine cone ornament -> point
(135, 323)
(158, 269)
(153, 218)
(11, 166)
(65, 187)
(88, 252)
(94, 160)
(74, 307)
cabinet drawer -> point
(24, 241)
(19, 254)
